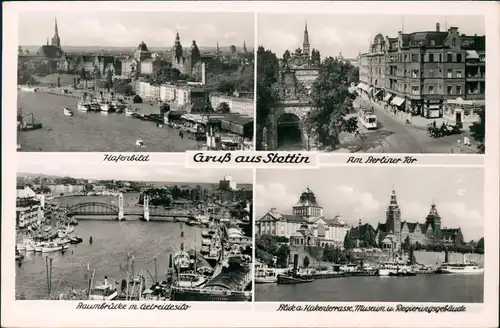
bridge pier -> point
(121, 214)
(146, 208)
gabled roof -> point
(294, 219)
(51, 52)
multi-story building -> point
(306, 226)
(422, 70)
(392, 234)
(29, 208)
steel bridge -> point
(92, 208)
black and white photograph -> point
(135, 81)
(167, 233)
(371, 83)
(344, 234)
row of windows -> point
(429, 89)
(449, 57)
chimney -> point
(437, 27)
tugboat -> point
(68, 111)
(295, 277)
(103, 293)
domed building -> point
(141, 62)
(306, 226)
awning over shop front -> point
(471, 54)
(397, 101)
(387, 96)
(241, 125)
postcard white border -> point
(62, 314)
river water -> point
(421, 288)
(92, 131)
(111, 242)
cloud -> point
(327, 36)
(273, 194)
(278, 40)
(102, 32)
(344, 198)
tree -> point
(109, 79)
(330, 99)
(480, 246)
(478, 130)
(164, 75)
(348, 242)
(306, 262)
(315, 57)
(282, 255)
(407, 243)
(223, 107)
(267, 75)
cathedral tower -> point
(433, 219)
(178, 53)
(56, 41)
(393, 218)
(306, 46)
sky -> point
(350, 34)
(354, 193)
(124, 29)
(134, 172)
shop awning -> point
(241, 125)
(377, 92)
(370, 89)
(434, 106)
(397, 101)
(471, 54)
(387, 96)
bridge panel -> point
(93, 208)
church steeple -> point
(245, 47)
(178, 47)
(56, 41)
(306, 45)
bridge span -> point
(106, 210)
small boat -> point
(30, 247)
(39, 247)
(105, 106)
(266, 276)
(388, 269)
(19, 256)
(291, 280)
(63, 241)
(21, 247)
(139, 143)
(103, 293)
(68, 111)
(75, 240)
(94, 106)
(192, 222)
(62, 233)
(83, 106)
(51, 247)
(190, 280)
(129, 111)
(460, 268)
